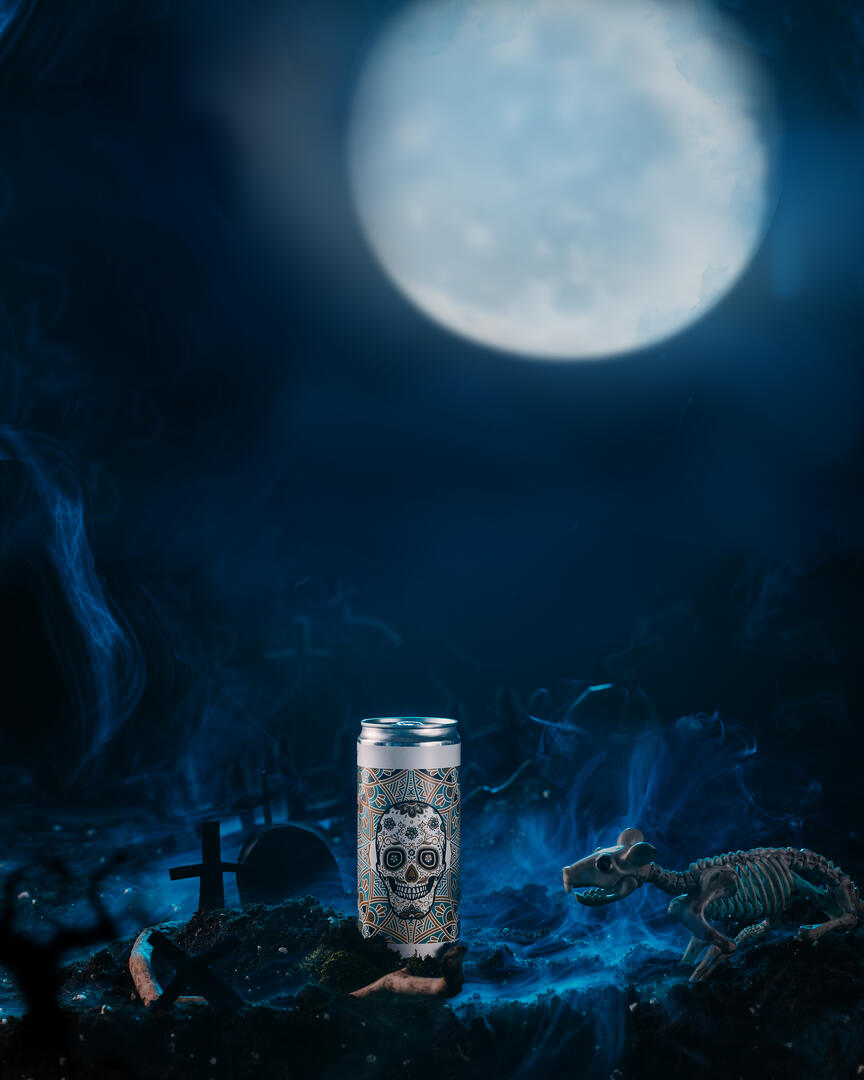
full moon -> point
(562, 179)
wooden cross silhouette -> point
(193, 974)
(211, 893)
(266, 805)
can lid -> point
(408, 730)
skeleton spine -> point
(673, 882)
(810, 865)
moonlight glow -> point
(561, 178)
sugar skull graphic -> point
(410, 854)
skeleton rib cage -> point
(766, 880)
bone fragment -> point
(403, 982)
(149, 988)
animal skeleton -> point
(752, 887)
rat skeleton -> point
(751, 887)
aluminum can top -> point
(408, 731)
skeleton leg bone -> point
(689, 908)
(816, 894)
(713, 958)
(841, 902)
(694, 947)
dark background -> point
(219, 419)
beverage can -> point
(408, 843)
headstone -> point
(282, 861)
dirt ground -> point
(782, 1009)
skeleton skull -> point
(611, 873)
(410, 854)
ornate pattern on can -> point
(408, 855)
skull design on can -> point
(410, 854)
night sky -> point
(195, 338)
